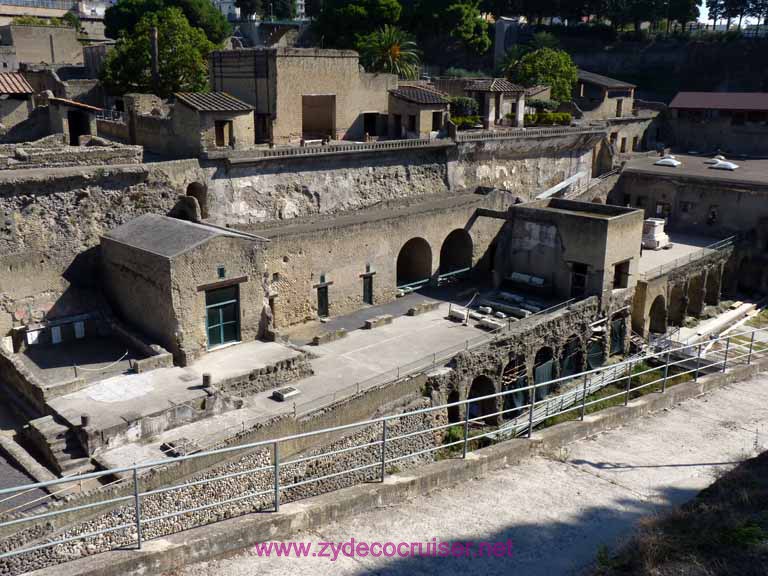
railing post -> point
(584, 398)
(276, 460)
(383, 448)
(137, 505)
(666, 373)
(530, 412)
(466, 428)
(698, 363)
(751, 345)
(629, 384)
(725, 358)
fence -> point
(717, 247)
(716, 355)
(111, 115)
(471, 136)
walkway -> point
(558, 511)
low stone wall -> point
(21, 381)
(112, 130)
(254, 481)
(268, 377)
(30, 155)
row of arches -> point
(573, 359)
(414, 261)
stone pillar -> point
(714, 285)
(696, 292)
(520, 112)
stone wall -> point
(49, 44)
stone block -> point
(423, 307)
(330, 336)
(377, 321)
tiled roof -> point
(754, 101)
(493, 85)
(14, 83)
(603, 81)
(419, 95)
(212, 102)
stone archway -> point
(572, 357)
(714, 286)
(456, 251)
(696, 295)
(515, 376)
(414, 262)
(483, 386)
(454, 412)
(677, 305)
(657, 318)
(543, 370)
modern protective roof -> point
(721, 101)
(168, 237)
(419, 95)
(213, 102)
(74, 104)
(14, 83)
(493, 85)
(603, 81)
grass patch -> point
(455, 434)
(759, 320)
(642, 374)
(723, 531)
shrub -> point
(548, 119)
(465, 122)
(464, 106)
(543, 105)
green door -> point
(222, 316)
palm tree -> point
(390, 50)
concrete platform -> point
(120, 399)
(682, 245)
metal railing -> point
(50, 4)
(717, 247)
(111, 115)
(630, 377)
(471, 136)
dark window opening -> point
(322, 301)
(619, 107)
(621, 275)
(623, 145)
(636, 143)
(223, 130)
(411, 123)
(578, 279)
(437, 121)
(368, 290)
(370, 121)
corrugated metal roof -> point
(754, 101)
(14, 83)
(494, 85)
(603, 81)
(212, 102)
(419, 95)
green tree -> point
(466, 24)
(182, 54)
(547, 66)
(684, 11)
(389, 50)
(126, 14)
(342, 22)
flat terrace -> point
(751, 172)
(683, 246)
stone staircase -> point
(59, 445)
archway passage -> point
(200, 193)
(595, 353)
(714, 286)
(696, 296)
(454, 412)
(414, 262)
(658, 316)
(456, 251)
(482, 386)
(543, 371)
(572, 358)
(515, 376)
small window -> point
(621, 275)
(322, 278)
(221, 272)
(636, 143)
(437, 121)
(411, 123)
(623, 145)
(276, 277)
(370, 120)
(578, 279)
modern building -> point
(304, 94)
(731, 122)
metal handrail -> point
(739, 349)
(719, 246)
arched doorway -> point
(454, 412)
(595, 353)
(483, 386)
(200, 193)
(414, 262)
(515, 376)
(658, 316)
(572, 358)
(696, 296)
(677, 306)
(543, 371)
(456, 251)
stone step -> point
(75, 466)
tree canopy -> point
(547, 66)
(182, 53)
(342, 22)
(125, 15)
(389, 50)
